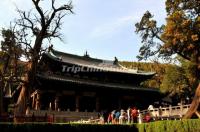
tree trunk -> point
(21, 103)
(194, 105)
(28, 84)
(29, 78)
(28, 81)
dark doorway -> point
(87, 103)
(67, 103)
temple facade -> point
(67, 82)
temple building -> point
(67, 82)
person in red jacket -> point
(134, 114)
(147, 117)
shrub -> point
(159, 126)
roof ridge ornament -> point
(86, 54)
(116, 62)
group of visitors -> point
(131, 115)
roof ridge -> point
(93, 63)
(80, 57)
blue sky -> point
(105, 28)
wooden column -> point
(50, 106)
(97, 104)
(37, 105)
(77, 103)
(33, 100)
(56, 103)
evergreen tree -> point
(175, 83)
(10, 53)
(180, 36)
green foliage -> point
(175, 82)
(150, 33)
(67, 127)
(190, 72)
(179, 36)
(156, 81)
(170, 126)
(10, 53)
(10, 67)
(159, 126)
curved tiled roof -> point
(94, 83)
(86, 61)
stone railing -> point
(171, 111)
(64, 116)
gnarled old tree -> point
(180, 36)
(32, 28)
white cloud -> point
(110, 28)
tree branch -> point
(52, 4)
(24, 17)
(36, 3)
(67, 7)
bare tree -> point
(33, 27)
